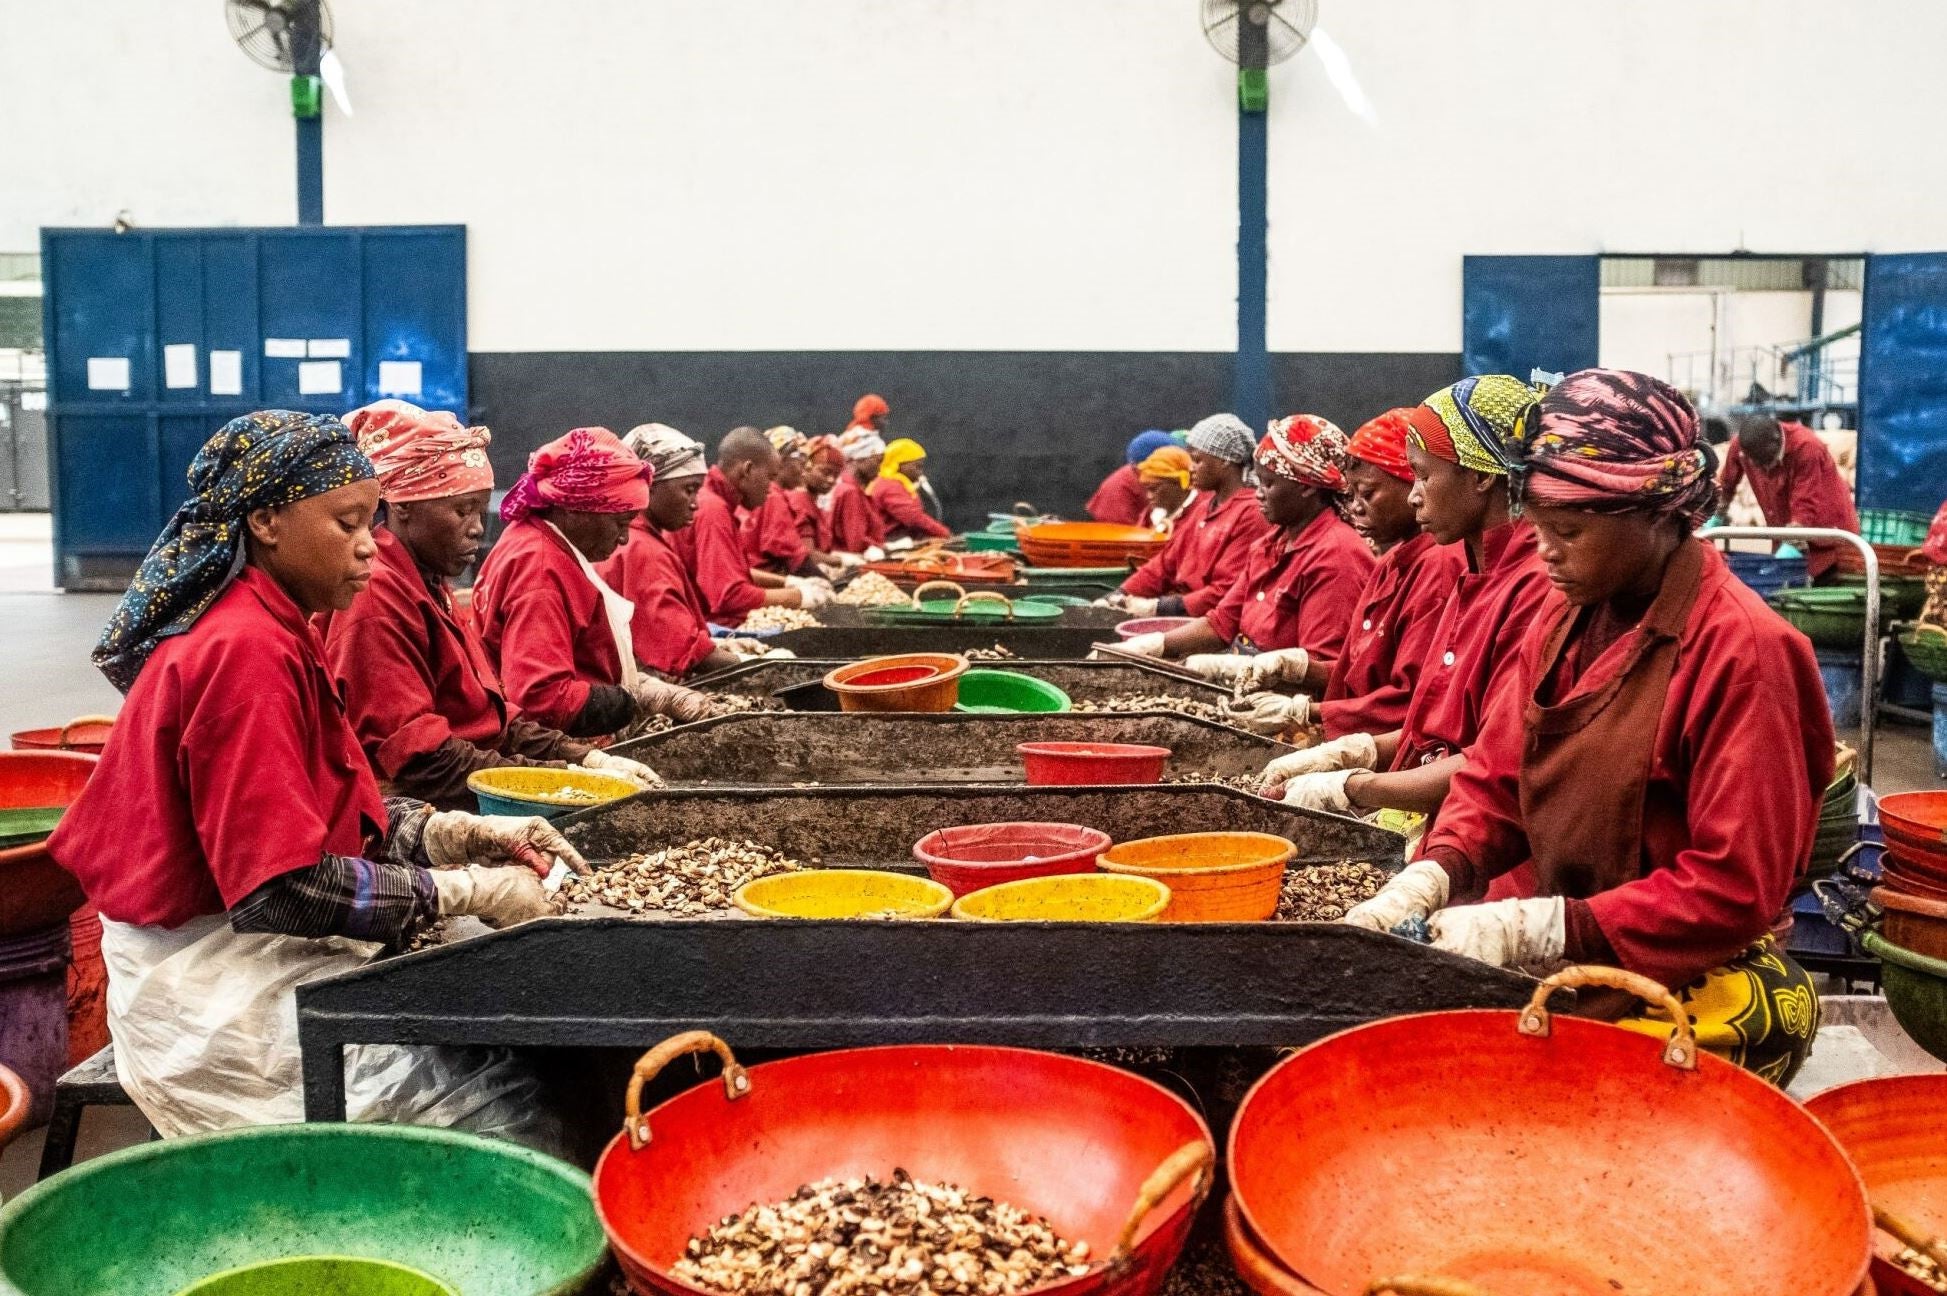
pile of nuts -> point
(779, 618)
(860, 1235)
(870, 589)
(1918, 1264)
(999, 652)
(1324, 892)
(721, 704)
(690, 879)
(1252, 783)
(578, 795)
(1158, 702)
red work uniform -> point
(1479, 631)
(1805, 489)
(543, 624)
(814, 528)
(1120, 499)
(1373, 680)
(1699, 737)
(855, 523)
(232, 763)
(1205, 555)
(900, 513)
(1297, 591)
(670, 630)
(714, 552)
(415, 680)
(771, 538)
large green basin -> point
(1916, 991)
(486, 1218)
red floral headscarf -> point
(1306, 449)
(421, 454)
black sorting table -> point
(608, 982)
(1082, 681)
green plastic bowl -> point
(992, 542)
(1900, 597)
(1831, 617)
(1927, 651)
(321, 1276)
(1916, 991)
(1056, 600)
(996, 692)
(486, 1218)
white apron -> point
(620, 611)
(204, 1022)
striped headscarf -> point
(1470, 422)
(671, 456)
(1306, 449)
(1382, 443)
(262, 460)
(860, 443)
(587, 471)
(1612, 441)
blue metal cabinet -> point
(1522, 313)
(1903, 382)
(353, 297)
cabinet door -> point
(1903, 382)
(1522, 313)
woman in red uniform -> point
(233, 836)
(856, 526)
(1304, 576)
(1645, 790)
(1166, 477)
(1457, 447)
(1120, 498)
(1367, 687)
(897, 492)
(1210, 544)
(421, 697)
(714, 550)
(781, 535)
(556, 633)
(811, 503)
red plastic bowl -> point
(968, 858)
(1066, 764)
(88, 735)
(36, 892)
(1151, 625)
(1915, 823)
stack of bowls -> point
(1838, 828)
(1912, 939)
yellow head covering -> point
(1171, 463)
(902, 451)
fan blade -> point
(1291, 27)
(1338, 70)
(1230, 17)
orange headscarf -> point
(868, 410)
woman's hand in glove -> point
(1417, 892)
(1271, 714)
(1355, 751)
(1139, 607)
(1228, 669)
(1322, 791)
(498, 897)
(1507, 933)
(453, 840)
(1146, 645)
(1279, 666)
(684, 706)
(622, 767)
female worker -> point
(1457, 447)
(1166, 477)
(558, 635)
(811, 502)
(1646, 787)
(1367, 687)
(1120, 499)
(869, 414)
(856, 525)
(422, 699)
(897, 493)
(668, 628)
(1303, 576)
(233, 836)
(714, 551)
(1207, 551)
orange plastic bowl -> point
(903, 682)
(1088, 544)
(88, 735)
(1212, 876)
(1891, 1129)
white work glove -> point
(1279, 666)
(1145, 645)
(453, 839)
(684, 706)
(498, 897)
(1109, 601)
(1419, 889)
(1139, 607)
(1322, 791)
(778, 654)
(873, 553)
(1506, 933)
(813, 595)
(1219, 668)
(622, 767)
(901, 545)
(1354, 751)
(849, 561)
(806, 582)
(1271, 714)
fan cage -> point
(262, 29)
(1288, 25)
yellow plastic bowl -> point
(843, 893)
(1067, 897)
(1212, 876)
(525, 790)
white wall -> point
(1007, 174)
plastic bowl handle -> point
(78, 721)
(1416, 1285)
(736, 1080)
(959, 590)
(1911, 1235)
(1196, 1158)
(983, 596)
(1680, 1052)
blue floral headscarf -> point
(262, 460)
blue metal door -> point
(1522, 313)
(1903, 383)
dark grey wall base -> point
(1000, 426)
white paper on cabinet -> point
(284, 348)
(320, 378)
(400, 378)
(108, 373)
(226, 373)
(179, 364)
(330, 348)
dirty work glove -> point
(849, 561)
(1419, 889)
(622, 767)
(812, 595)
(1506, 933)
(1280, 666)
(807, 582)
(1139, 607)
(498, 897)
(1271, 714)
(1353, 751)
(873, 553)
(1109, 601)
(1322, 791)
(453, 840)
(1219, 668)
(1146, 645)
(742, 647)
(684, 706)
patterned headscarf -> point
(421, 454)
(869, 408)
(262, 460)
(670, 455)
(899, 453)
(1471, 422)
(587, 471)
(1382, 443)
(1612, 441)
(1141, 447)
(824, 449)
(1224, 436)
(860, 444)
(1306, 449)
(1171, 463)
(787, 441)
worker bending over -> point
(1207, 551)
(1120, 499)
(1795, 481)
(1646, 788)
(902, 495)
(713, 549)
(233, 836)
(422, 699)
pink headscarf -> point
(1613, 441)
(587, 471)
(421, 454)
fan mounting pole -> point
(307, 48)
(1251, 377)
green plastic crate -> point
(1892, 526)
